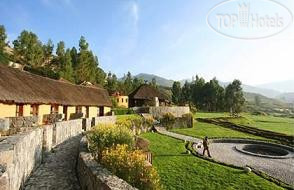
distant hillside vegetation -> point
(159, 80)
(287, 97)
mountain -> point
(282, 86)
(252, 89)
(260, 89)
(287, 97)
(159, 80)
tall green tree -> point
(87, 63)
(234, 97)
(28, 49)
(74, 57)
(186, 93)
(3, 36)
(197, 92)
(128, 83)
(112, 83)
(176, 92)
(67, 71)
(48, 50)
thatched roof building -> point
(144, 94)
(21, 87)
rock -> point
(247, 169)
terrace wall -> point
(20, 154)
(177, 111)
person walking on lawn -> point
(205, 146)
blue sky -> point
(170, 38)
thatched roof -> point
(147, 92)
(22, 87)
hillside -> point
(287, 97)
(159, 80)
(282, 86)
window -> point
(34, 110)
(118, 100)
(122, 100)
(54, 109)
(19, 110)
(79, 109)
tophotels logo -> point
(249, 19)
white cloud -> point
(133, 9)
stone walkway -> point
(58, 170)
(163, 131)
(282, 169)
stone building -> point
(146, 95)
(24, 94)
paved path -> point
(58, 170)
(282, 169)
(163, 131)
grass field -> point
(180, 171)
(271, 123)
(211, 114)
(201, 130)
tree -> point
(176, 92)
(186, 93)
(74, 57)
(153, 82)
(48, 50)
(28, 49)
(3, 37)
(83, 44)
(67, 71)
(60, 50)
(197, 92)
(128, 83)
(87, 64)
(137, 82)
(111, 83)
(234, 97)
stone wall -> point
(66, 129)
(93, 176)
(177, 111)
(19, 155)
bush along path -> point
(280, 169)
(58, 170)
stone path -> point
(58, 170)
(282, 169)
(163, 131)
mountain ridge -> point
(259, 89)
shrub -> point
(189, 119)
(122, 111)
(168, 120)
(135, 122)
(107, 135)
(130, 166)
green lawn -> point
(211, 114)
(201, 130)
(180, 171)
(271, 123)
